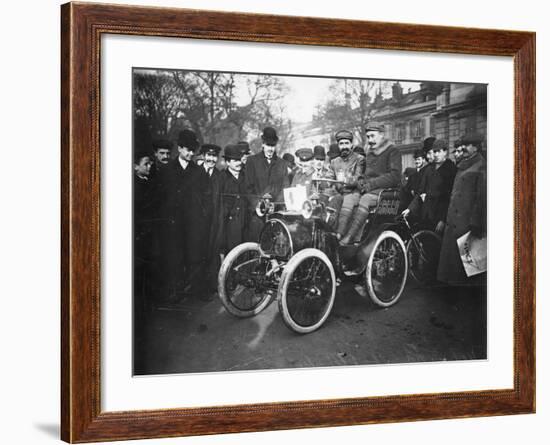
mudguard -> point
(364, 251)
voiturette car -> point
(299, 261)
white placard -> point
(120, 391)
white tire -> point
(387, 269)
(238, 298)
(307, 291)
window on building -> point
(467, 124)
(417, 130)
(399, 133)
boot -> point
(343, 220)
(361, 215)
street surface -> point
(427, 324)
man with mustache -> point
(348, 168)
(382, 170)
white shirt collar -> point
(183, 163)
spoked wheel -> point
(306, 291)
(423, 256)
(236, 281)
(386, 271)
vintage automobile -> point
(299, 261)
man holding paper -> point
(467, 211)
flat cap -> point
(440, 144)
(210, 149)
(333, 151)
(162, 144)
(344, 134)
(188, 138)
(304, 154)
(289, 158)
(375, 126)
(473, 138)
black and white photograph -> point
(284, 221)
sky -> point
(306, 93)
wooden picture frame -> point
(82, 26)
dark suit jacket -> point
(437, 183)
(262, 177)
(235, 210)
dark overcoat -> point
(187, 208)
(467, 210)
(437, 184)
(215, 232)
(144, 217)
(235, 210)
(263, 177)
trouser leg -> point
(367, 201)
(335, 203)
(348, 204)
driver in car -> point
(382, 170)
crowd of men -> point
(192, 210)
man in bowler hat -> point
(187, 210)
(265, 174)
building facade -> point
(443, 110)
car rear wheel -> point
(423, 256)
(386, 271)
(237, 283)
(307, 290)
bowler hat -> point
(210, 149)
(162, 144)
(428, 143)
(419, 153)
(319, 152)
(343, 134)
(333, 151)
(269, 136)
(245, 147)
(289, 158)
(375, 126)
(188, 139)
(233, 151)
(304, 154)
